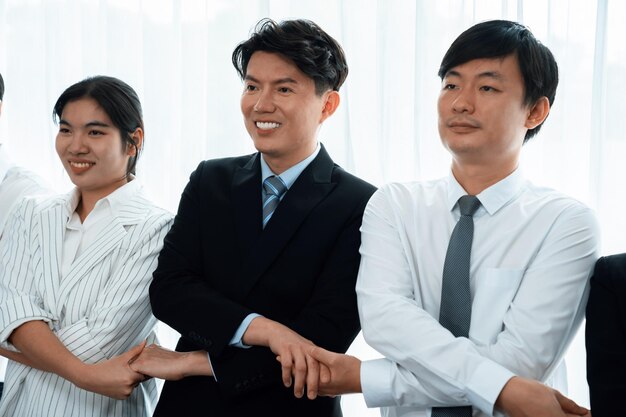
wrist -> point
(196, 364)
(259, 332)
(507, 397)
(79, 374)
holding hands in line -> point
(520, 397)
(325, 373)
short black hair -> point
(118, 100)
(312, 50)
(1, 88)
(500, 38)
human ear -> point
(538, 113)
(330, 104)
(137, 137)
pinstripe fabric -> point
(98, 310)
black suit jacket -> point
(606, 337)
(218, 265)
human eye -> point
(284, 90)
(64, 130)
(250, 88)
(449, 86)
(488, 88)
(95, 133)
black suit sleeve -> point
(606, 337)
(330, 319)
(179, 294)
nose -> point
(264, 102)
(77, 144)
(463, 102)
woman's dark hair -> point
(499, 38)
(118, 100)
(312, 50)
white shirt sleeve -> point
(427, 365)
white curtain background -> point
(176, 54)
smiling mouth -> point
(80, 167)
(267, 125)
(81, 164)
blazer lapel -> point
(246, 192)
(108, 240)
(311, 187)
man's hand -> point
(523, 397)
(291, 350)
(158, 362)
(345, 372)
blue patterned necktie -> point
(274, 190)
(455, 313)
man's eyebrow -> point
(286, 80)
(491, 74)
(487, 74)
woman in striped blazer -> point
(75, 269)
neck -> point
(88, 199)
(476, 178)
(279, 164)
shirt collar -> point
(5, 162)
(492, 198)
(291, 175)
(111, 203)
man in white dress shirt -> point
(531, 254)
(15, 184)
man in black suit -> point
(249, 274)
(606, 336)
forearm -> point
(16, 357)
(41, 349)
(159, 362)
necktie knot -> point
(274, 189)
(274, 186)
(468, 204)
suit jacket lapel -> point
(108, 240)
(246, 192)
(311, 187)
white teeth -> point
(267, 125)
(80, 164)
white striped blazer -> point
(98, 310)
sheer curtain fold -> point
(176, 54)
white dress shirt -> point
(89, 282)
(15, 184)
(532, 255)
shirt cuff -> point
(486, 384)
(376, 383)
(236, 341)
(208, 355)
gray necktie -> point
(274, 190)
(455, 313)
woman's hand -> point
(114, 377)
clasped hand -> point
(323, 372)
